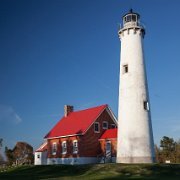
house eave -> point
(55, 137)
(107, 139)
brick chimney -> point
(67, 110)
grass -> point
(96, 171)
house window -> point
(113, 126)
(64, 147)
(75, 147)
(54, 148)
(146, 105)
(125, 68)
(105, 125)
(96, 127)
(38, 156)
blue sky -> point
(61, 52)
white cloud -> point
(8, 115)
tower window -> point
(146, 105)
(125, 68)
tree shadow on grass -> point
(45, 172)
(148, 171)
(95, 171)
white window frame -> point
(98, 127)
(38, 156)
(105, 122)
(75, 147)
(54, 148)
(64, 148)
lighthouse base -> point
(135, 160)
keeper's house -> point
(81, 137)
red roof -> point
(42, 148)
(109, 134)
(76, 122)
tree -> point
(1, 157)
(22, 153)
(177, 152)
(9, 156)
(168, 148)
(158, 154)
(1, 140)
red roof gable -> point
(76, 122)
(109, 134)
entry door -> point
(108, 148)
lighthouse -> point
(135, 137)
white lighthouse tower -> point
(135, 138)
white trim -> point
(113, 117)
(54, 144)
(64, 148)
(107, 139)
(98, 127)
(95, 120)
(75, 152)
(56, 137)
(73, 161)
(106, 124)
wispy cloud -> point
(175, 128)
(8, 115)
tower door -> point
(108, 148)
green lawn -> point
(97, 171)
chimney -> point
(67, 110)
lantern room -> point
(131, 19)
